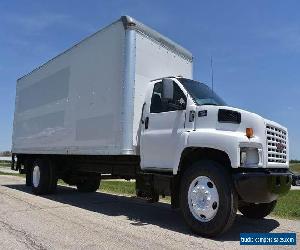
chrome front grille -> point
(276, 144)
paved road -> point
(70, 220)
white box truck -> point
(122, 104)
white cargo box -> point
(88, 100)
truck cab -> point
(179, 113)
(188, 130)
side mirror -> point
(168, 89)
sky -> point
(255, 47)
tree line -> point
(5, 153)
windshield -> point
(201, 93)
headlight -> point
(250, 157)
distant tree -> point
(294, 161)
(5, 153)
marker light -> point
(249, 132)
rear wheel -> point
(28, 176)
(88, 185)
(208, 200)
(43, 177)
(28, 172)
(257, 211)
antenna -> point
(212, 74)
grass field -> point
(295, 167)
(118, 187)
(288, 206)
(4, 164)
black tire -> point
(88, 185)
(28, 176)
(227, 206)
(28, 172)
(28, 179)
(48, 181)
(53, 179)
(257, 211)
(154, 198)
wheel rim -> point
(36, 174)
(203, 198)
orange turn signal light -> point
(249, 132)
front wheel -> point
(257, 211)
(208, 200)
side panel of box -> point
(154, 61)
(72, 104)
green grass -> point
(14, 174)
(4, 164)
(295, 167)
(109, 186)
(118, 187)
(288, 206)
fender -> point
(226, 141)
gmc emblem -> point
(280, 146)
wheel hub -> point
(203, 198)
(36, 174)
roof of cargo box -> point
(131, 23)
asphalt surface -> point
(71, 220)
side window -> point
(156, 102)
(178, 97)
(158, 105)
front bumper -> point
(262, 186)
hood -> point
(268, 133)
(207, 117)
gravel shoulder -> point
(72, 220)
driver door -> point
(163, 124)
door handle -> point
(192, 116)
(147, 122)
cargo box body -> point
(88, 100)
